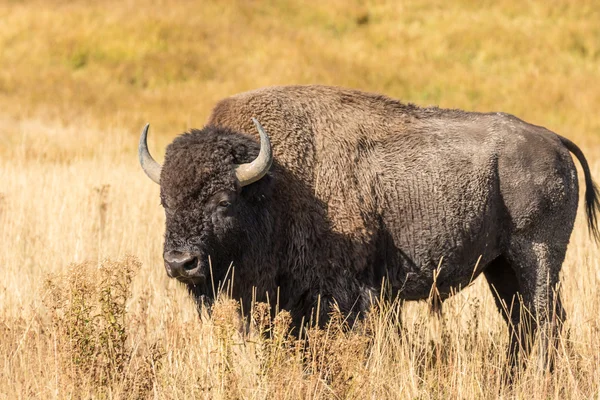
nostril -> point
(180, 264)
(183, 266)
(191, 264)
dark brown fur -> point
(363, 188)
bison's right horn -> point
(251, 172)
(150, 167)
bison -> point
(343, 190)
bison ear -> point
(260, 190)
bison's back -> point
(308, 123)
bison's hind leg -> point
(504, 285)
(538, 264)
(525, 284)
(526, 293)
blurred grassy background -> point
(122, 63)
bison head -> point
(213, 200)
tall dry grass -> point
(87, 310)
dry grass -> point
(87, 310)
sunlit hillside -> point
(87, 310)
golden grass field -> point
(87, 310)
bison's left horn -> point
(150, 167)
(253, 171)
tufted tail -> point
(592, 204)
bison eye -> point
(224, 204)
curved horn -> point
(150, 167)
(251, 172)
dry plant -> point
(79, 319)
(88, 324)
